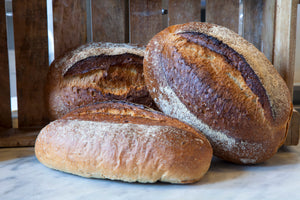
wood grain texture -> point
(183, 11)
(268, 28)
(110, 21)
(5, 116)
(253, 13)
(18, 137)
(69, 24)
(294, 130)
(284, 41)
(224, 13)
(145, 20)
(297, 59)
(31, 50)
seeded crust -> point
(210, 77)
(96, 72)
(123, 141)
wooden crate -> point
(270, 25)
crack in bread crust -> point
(124, 112)
(102, 62)
(234, 59)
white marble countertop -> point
(23, 177)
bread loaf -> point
(212, 78)
(96, 72)
(122, 141)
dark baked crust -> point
(215, 80)
(93, 73)
(104, 62)
(234, 59)
(123, 141)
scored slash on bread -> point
(213, 79)
(96, 72)
(123, 141)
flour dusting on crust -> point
(89, 129)
(172, 105)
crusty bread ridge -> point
(122, 141)
(96, 72)
(213, 79)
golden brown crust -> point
(122, 141)
(96, 72)
(210, 77)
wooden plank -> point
(145, 20)
(294, 130)
(253, 13)
(31, 50)
(5, 116)
(268, 27)
(183, 11)
(18, 137)
(110, 21)
(297, 59)
(259, 25)
(224, 13)
(69, 25)
(284, 41)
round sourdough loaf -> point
(122, 141)
(96, 72)
(210, 77)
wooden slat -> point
(268, 27)
(110, 21)
(253, 13)
(297, 60)
(183, 11)
(284, 41)
(145, 20)
(31, 50)
(294, 130)
(5, 116)
(18, 137)
(69, 24)
(284, 54)
(224, 13)
(259, 25)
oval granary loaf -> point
(212, 78)
(93, 73)
(122, 141)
